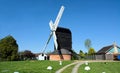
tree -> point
(75, 56)
(21, 53)
(91, 51)
(8, 48)
(28, 55)
(88, 43)
(81, 53)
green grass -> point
(30, 66)
(99, 67)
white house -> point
(42, 56)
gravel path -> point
(60, 70)
(75, 69)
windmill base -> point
(57, 57)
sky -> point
(28, 22)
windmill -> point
(53, 27)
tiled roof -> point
(61, 51)
(105, 49)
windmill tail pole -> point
(44, 48)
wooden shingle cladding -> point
(64, 38)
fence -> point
(100, 57)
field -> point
(101, 67)
(97, 67)
(30, 66)
(41, 67)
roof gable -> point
(106, 49)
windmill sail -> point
(59, 17)
(53, 27)
(55, 40)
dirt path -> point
(78, 63)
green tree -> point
(21, 55)
(91, 51)
(81, 53)
(28, 55)
(8, 48)
(75, 56)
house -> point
(41, 56)
(108, 52)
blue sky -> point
(28, 22)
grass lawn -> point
(30, 66)
(99, 67)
